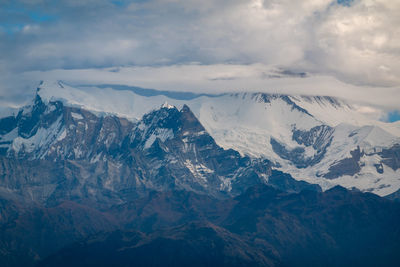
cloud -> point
(221, 78)
(356, 42)
(360, 43)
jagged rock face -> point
(352, 165)
(305, 136)
(391, 156)
(57, 132)
(181, 155)
(53, 152)
(170, 148)
(267, 98)
(347, 166)
(318, 138)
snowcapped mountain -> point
(89, 171)
(320, 140)
(52, 152)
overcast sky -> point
(353, 44)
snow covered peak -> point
(98, 100)
(319, 139)
(134, 104)
(166, 105)
(53, 90)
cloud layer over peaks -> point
(355, 41)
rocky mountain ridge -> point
(320, 140)
(52, 152)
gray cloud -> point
(357, 43)
(215, 78)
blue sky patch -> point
(119, 3)
(394, 116)
(14, 18)
(40, 17)
(345, 2)
(11, 28)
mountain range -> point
(321, 140)
(107, 175)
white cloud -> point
(357, 44)
(361, 43)
(221, 78)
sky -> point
(345, 48)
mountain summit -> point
(321, 140)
